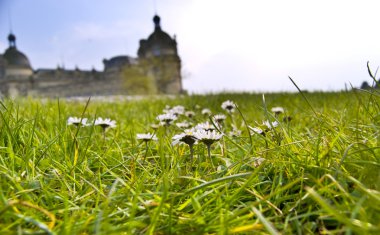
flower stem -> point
(191, 153)
(104, 135)
(209, 155)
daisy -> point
(166, 119)
(186, 137)
(206, 112)
(189, 114)
(229, 106)
(270, 125)
(208, 137)
(206, 126)
(277, 110)
(219, 118)
(257, 130)
(178, 110)
(155, 126)
(146, 137)
(76, 121)
(105, 123)
(183, 125)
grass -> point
(318, 173)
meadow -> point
(312, 169)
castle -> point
(156, 70)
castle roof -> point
(13, 56)
(157, 40)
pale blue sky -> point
(234, 45)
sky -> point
(224, 45)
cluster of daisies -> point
(207, 132)
(103, 123)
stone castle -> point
(156, 70)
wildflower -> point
(177, 110)
(208, 137)
(154, 126)
(206, 112)
(76, 121)
(277, 110)
(229, 106)
(257, 130)
(105, 123)
(183, 125)
(146, 137)
(186, 137)
(189, 114)
(206, 126)
(166, 119)
(219, 118)
(270, 125)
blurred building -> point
(157, 69)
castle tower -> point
(15, 70)
(17, 65)
(159, 57)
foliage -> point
(318, 173)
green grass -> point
(321, 172)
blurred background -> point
(224, 45)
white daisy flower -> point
(229, 106)
(257, 130)
(183, 125)
(178, 110)
(219, 118)
(270, 125)
(277, 110)
(166, 118)
(206, 126)
(189, 114)
(206, 112)
(207, 137)
(146, 137)
(105, 123)
(76, 121)
(155, 126)
(186, 137)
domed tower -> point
(159, 57)
(15, 71)
(17, 64)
